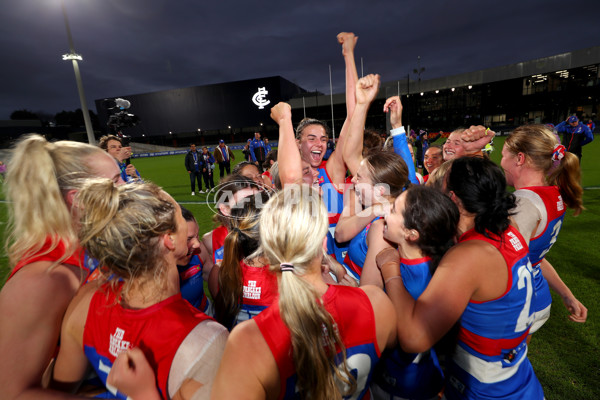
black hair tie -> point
(286, 267)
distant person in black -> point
(208, 166)
(193, 164)
(258, 151)
(246, 151)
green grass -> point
(169, 172)
(565, 355)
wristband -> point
(398, 131)
(391, 279)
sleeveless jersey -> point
(357, 252)
(157, 330)
(218, 240)
(192, 283)
(490, 359)
(333, 197)
(259, 291)
(353, 313)
(76, 259)
(410, 375)
(554, 209)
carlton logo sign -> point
(259, 98)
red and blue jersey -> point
(410, 375)
(259, 291)
(553, 207)
(555, 210)
(157, 330)
(218, 241)
(357, 252)
(191, 283)
(353, 314)
(490, 359)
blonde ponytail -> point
(538, 143)
(39, 175)
(292, 228)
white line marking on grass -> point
(196, 202)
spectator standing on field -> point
(208, 166)
(258, 151)
(267, 146)
(193, 164)
(246, 150)
(223, 155)
(575, 135)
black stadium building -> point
(204, 113)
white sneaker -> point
(202, 191)
(193, 193)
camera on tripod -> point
(120, 118)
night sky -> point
(139, 46)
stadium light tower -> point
(419, 70)
(74, 57)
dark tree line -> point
(73, 119)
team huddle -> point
(341, 278)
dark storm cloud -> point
(138, 46)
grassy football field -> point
(565, 355)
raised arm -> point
(475, 138)
(393, 106)
(289, 160)
(366, 91)
(336, 167)
(348, 41)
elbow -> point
(412, 343)
(343, 231)
(340, 235)
(413, 347)
(290, 179)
